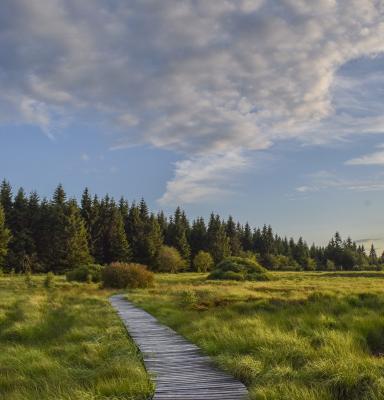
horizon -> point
(267, 111)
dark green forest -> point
(58, 234)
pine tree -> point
(116, 243)
(198, 236)
(246, 239)
(5, 236)
(76, 238)
(153, 242)
(372, 255)
(234, 237)
(218, 242)
(22, 245)
(6, 198)
(177, 235)
(57, 251)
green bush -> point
(170, 260)
(203, 261)
(86, 273)
(124, 275)
(239, 269)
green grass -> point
(65, 343)
(301, 336)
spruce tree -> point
(6, 198)
(5, 236)
(76, 238)
(22, 245)
(234, 237)
(198, 236)
(218, 242)
(116, 243)
(372, 255)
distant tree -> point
(218, 242)
(116, 245)
(170, 260)
(203, 261)
(234, 236)
(5, 236)
(372, 256)
(198, 236)
(6, 198)
(246, 238)
(177, 235)
(76, 238)
(22, 245)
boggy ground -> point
(65, 343)
(301, 336)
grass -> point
(65, 343)
(301, 336)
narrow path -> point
(178, 368)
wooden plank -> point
(179, 370)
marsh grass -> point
(300, 336)
(62, 341)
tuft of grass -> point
(65, 343)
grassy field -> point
(301, 336)
(65, 343)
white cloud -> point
(203, 177)
(375, 158)
(324, 180)
(198, 77)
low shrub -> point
(239, 269)
(86, 273)
(123, 275)
(203, 261)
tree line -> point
(58, 234)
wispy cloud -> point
(324, 180)
(203, 177)
(375, 158)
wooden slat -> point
(179, 370)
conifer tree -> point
(76, 238)
(22, 245)
(116, 243)
(198, 236)
(5, 236)
(372, 255)
(6, 198)
(234, 237)
(57, 253)
(218, 242)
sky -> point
(270, 111)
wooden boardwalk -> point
(178, 368)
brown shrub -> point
(124, 275)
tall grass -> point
(64, 342)
(301, 336)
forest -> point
(58, 234)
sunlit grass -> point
(300, 336)
(65, 343)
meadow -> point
(65, 343)
(300, 336)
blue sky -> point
(267, 110)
